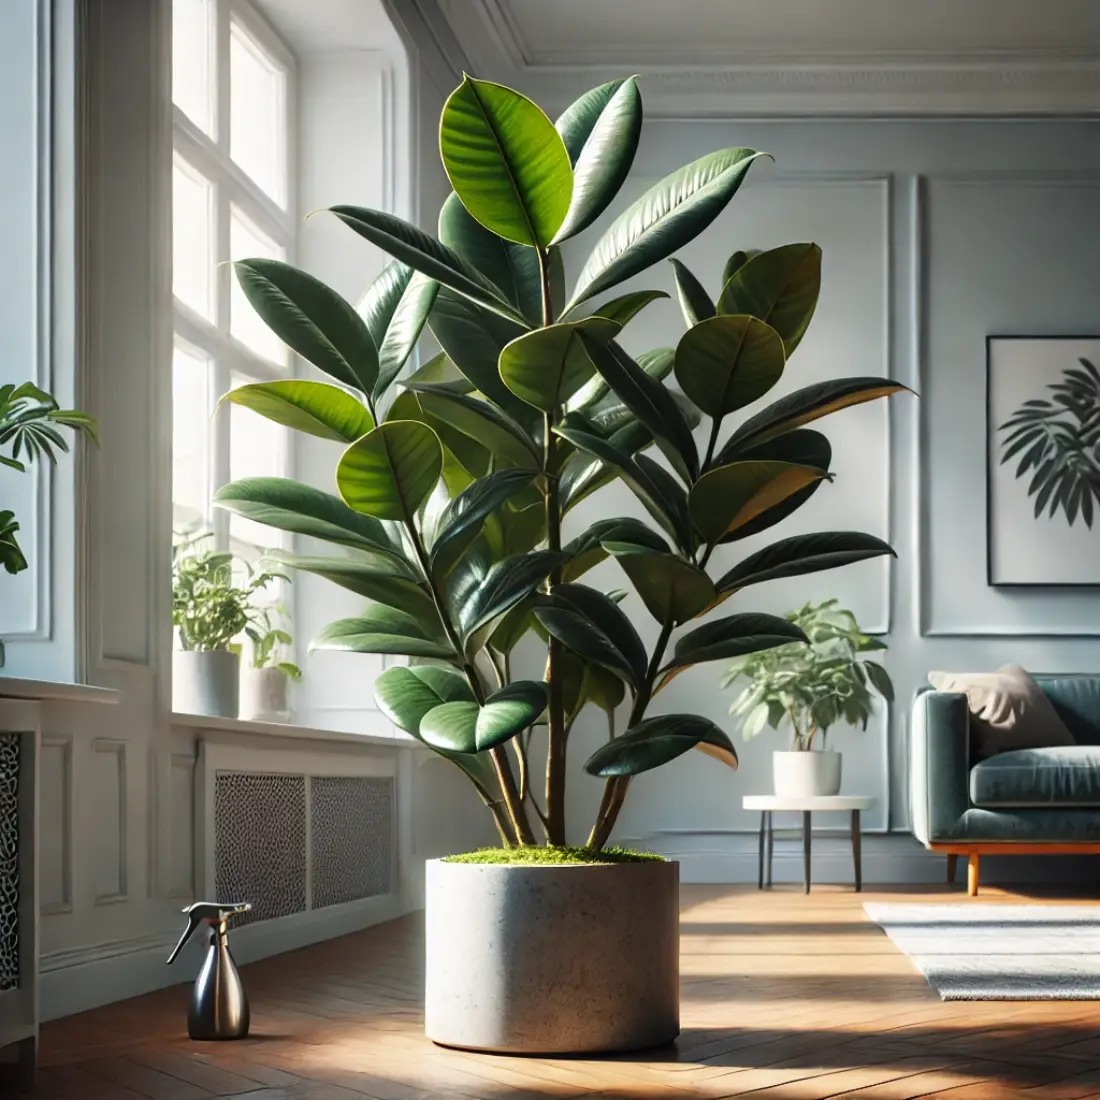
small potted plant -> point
(209, 611)
(812, 685)
(264, 695)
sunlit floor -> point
(784, 996)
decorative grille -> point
(351, 821)
(9, 861)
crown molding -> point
(789, 82)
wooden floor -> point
(785, 997)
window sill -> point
(288, 730)
(14, 687)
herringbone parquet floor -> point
(785, 997)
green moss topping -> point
(516, 857)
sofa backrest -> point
(1076, 698)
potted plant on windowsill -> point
(811, 686)
(209, 611)
(266, 678)
(455, 520)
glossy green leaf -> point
(673, 497)
(880, 679)
(726, 363)
(380, 299)
(390, 472)
(627, 306)
(727, 497)
(658, 740)
(603, 688)
(382, 630)
(415, 248)
(808, 404)
(505, 161)
(736, 262)
(312, 407)
(595, 394)
(663, 220)
(482, 422)
(586, 550)
(733, 636)
(406, 693)
(673, 589)
(311, 319)
(803, 447)
(291, 506)
(649, 401)
(547, 366)
(779, 286)
(515, 530)
(465, 515)
(442, 371)
(367, 579)
(513, 625)
(480, 590)
(466, 727)
(595, 628)
(695, 302)
(601, 132)
(802, 554)
(405, 327)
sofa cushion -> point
(1076, 698)
(1064, 776)
(1008, 711)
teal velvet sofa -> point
(1023, 802)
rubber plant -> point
(455, 493)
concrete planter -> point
(206, 681)
(553, 960)
(265, 695)
(807, 774)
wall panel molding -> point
(111, 769)
(55, 817)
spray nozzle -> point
(212, 913)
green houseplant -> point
(209, 611)
(265, 679)
(453, 512)
(810, 686)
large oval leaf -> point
(382, 630)
(414, 247)
(802, 554)
(663, 220)
(311, 319)
(466, 727)
(291, 506)
(601, 132)
(725, 498)
(405, 694)
(391, 471)
(733, 636)
(779, 286)
(505, 161)
(658, 740)
(404, 329)
(673, 589)
(312, 407)
(547, 366)
(695, 302)
(726, 363)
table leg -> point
(857, 850)
(760, 852)
(771, 850)
(806, 829)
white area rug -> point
(976, 952)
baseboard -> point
(77, 979)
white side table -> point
(837, 803)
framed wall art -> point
(1043, 460)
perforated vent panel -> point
(9, 861)
(352, 838)
(260, 843)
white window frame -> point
(210, 156)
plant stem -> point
(500, 759)
(614, 791)
(715, 424)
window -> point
(232, 90)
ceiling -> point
(706, 57)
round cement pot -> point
(264, 695)
(806, 774)
(565, 959)
(206, 682)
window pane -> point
(192, 68)
(257, 113)
(257, 448)
(246, 241)
(192, 245)
(192, 387)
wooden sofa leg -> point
(972, 875)
(952, 867)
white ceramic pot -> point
(264, 695)
(546, 959)
(206, 682)
(806, 774)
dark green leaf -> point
(672, 588)
(733, 636)
(405, 327)
(312, 407)
(380, 299)
(480, 591)
(466, 727)
(391, 471)
(596, 396)
(656, 741)
(482, 422)
(627, 306)
(586, 550)
(880, 678)
(695, 302)
(736, 262)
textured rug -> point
(976, 952)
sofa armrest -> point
(939, 764)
